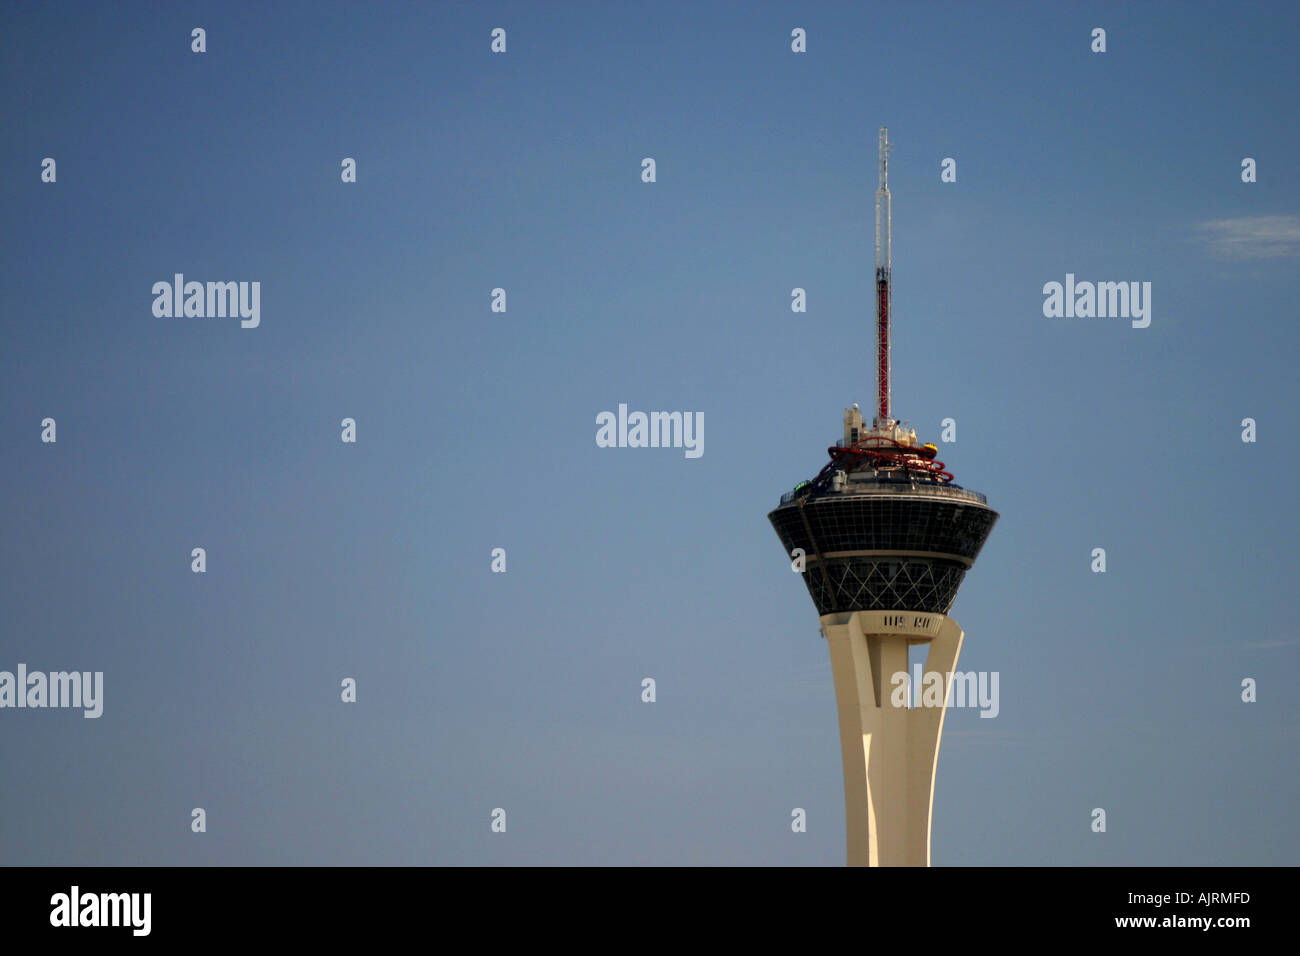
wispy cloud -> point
(1252, 237)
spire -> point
(884, 264)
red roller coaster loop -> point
(888, 453)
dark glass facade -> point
(886, 522)
(950, 529)
(879, 584)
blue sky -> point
(476, 429)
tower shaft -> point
(890, 751)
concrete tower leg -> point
(890, 752)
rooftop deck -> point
(900, 486)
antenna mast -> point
(884, 264)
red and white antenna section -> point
(888, 446)
(884, 265)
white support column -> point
(890, 752)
